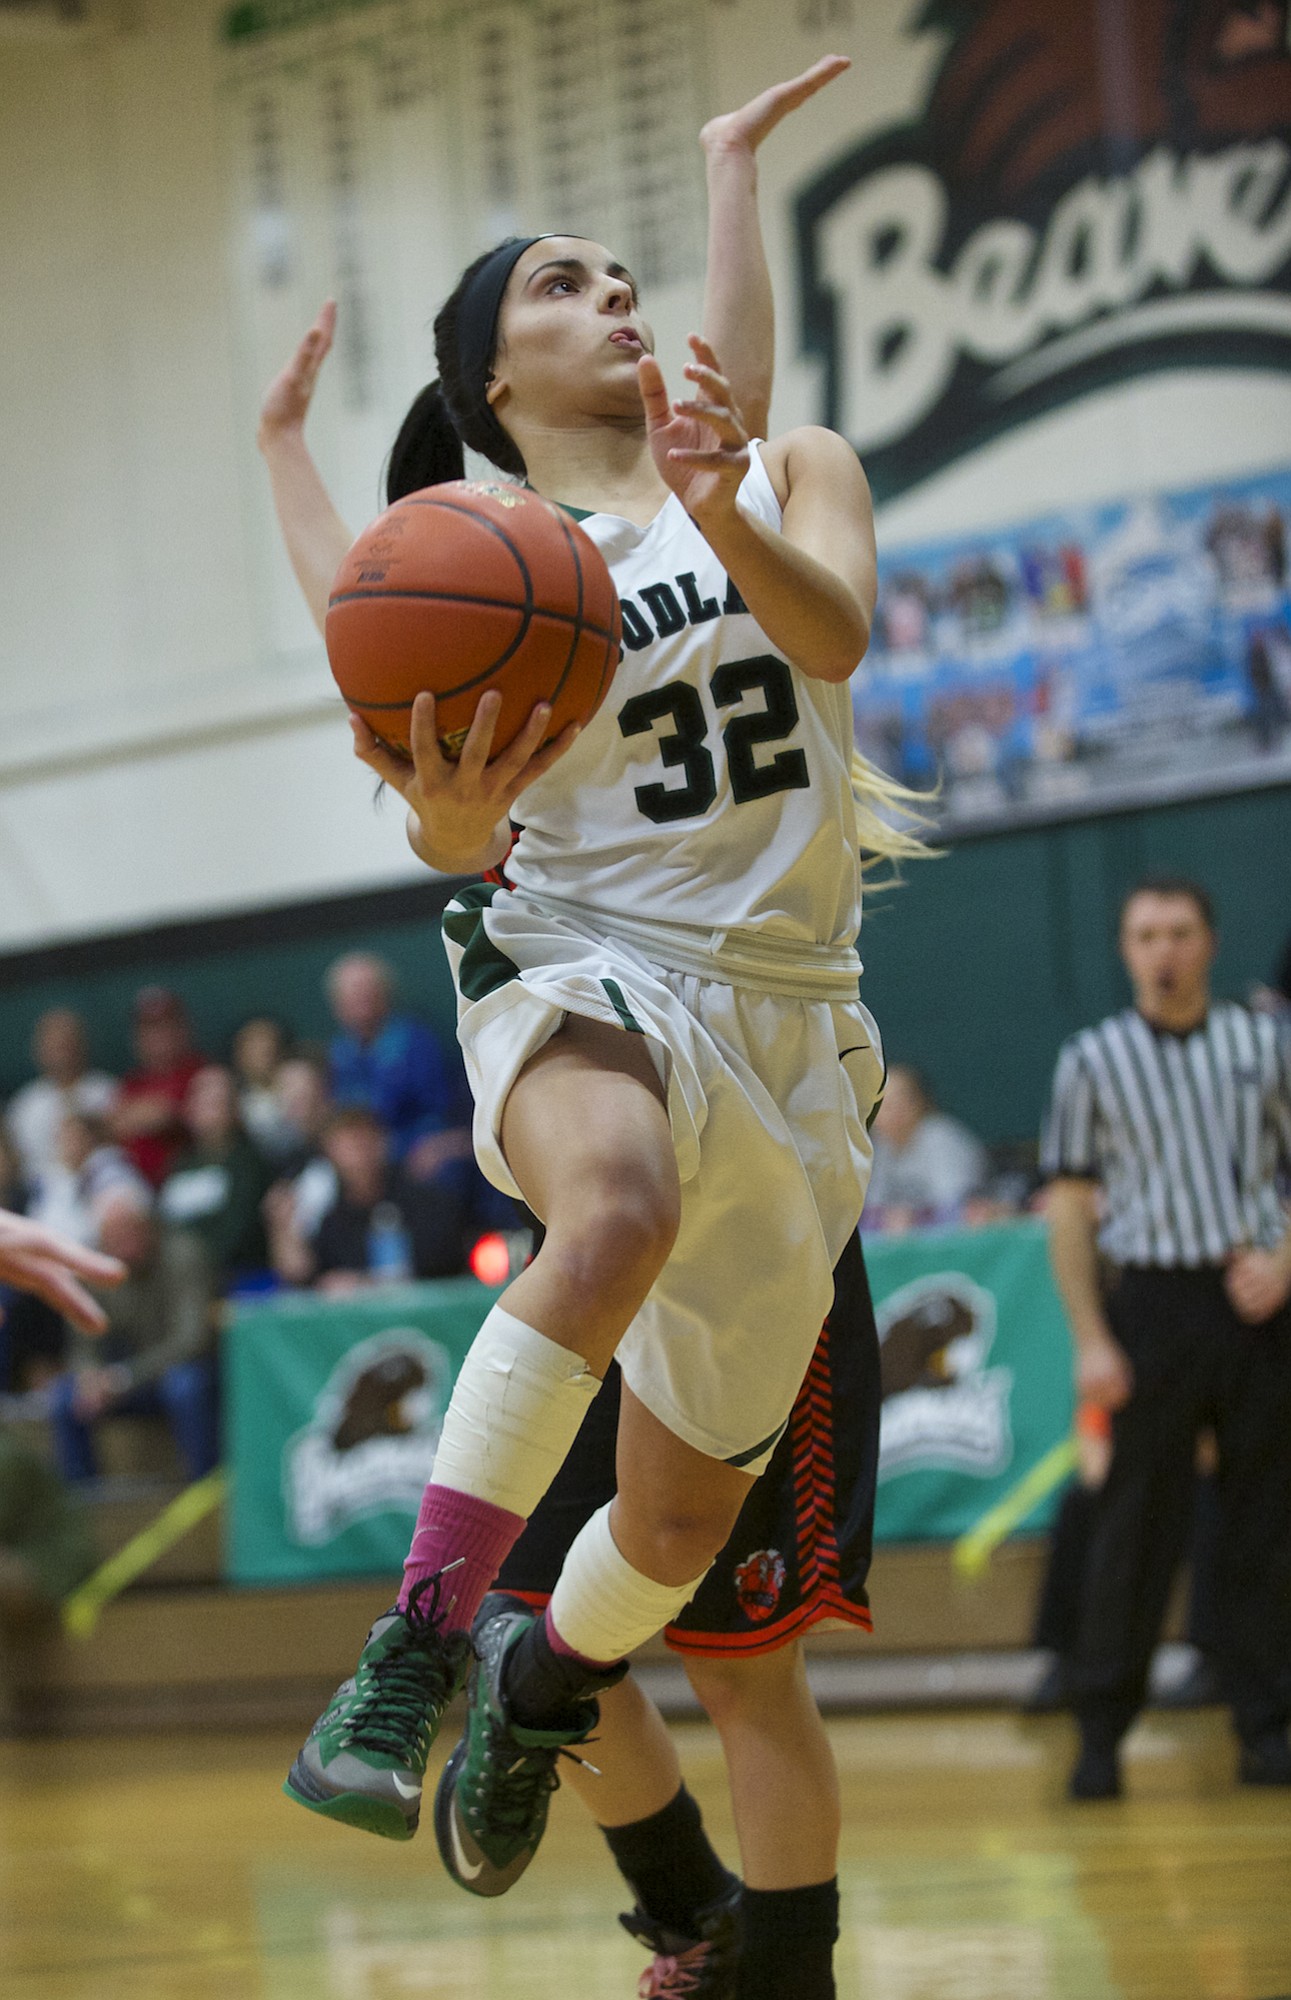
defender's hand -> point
(34, 1259)
(745, 129)
(288, 397)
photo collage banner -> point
(1118, 655)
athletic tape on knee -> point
(515, 1411)
(601, 1606)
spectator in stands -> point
(927, 1166)
(307, 1184)
(28, 1327)
(383, 1225)
(220, 1181)
(66, 1083)
(86, 1165)
(395, 1067)
(147, 1118)
(156, 1353)
(14, 1189)
(259, 1051)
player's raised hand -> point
(286, 401)
(700, 444)
(35, 1259)
(745, 129)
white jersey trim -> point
(769, 964)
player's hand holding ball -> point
(459, 803)
(473, 630)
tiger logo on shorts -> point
(759, 1581)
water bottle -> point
(389, 1246)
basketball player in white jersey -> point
(664, 577)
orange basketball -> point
(465, 587)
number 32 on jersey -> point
(684, 746)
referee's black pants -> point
(1196, 1364)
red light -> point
(491, 1259)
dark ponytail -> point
(427, 450)
(455, 410)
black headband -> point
(477, 315)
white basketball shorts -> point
(768, 1099)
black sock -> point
(669, 1863)
(550, 1690)
(789, 1938)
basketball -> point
(469, 586)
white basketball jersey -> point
(713, 785)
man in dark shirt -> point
(383, 1224)
(219, 1182)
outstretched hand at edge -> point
(35, 1259)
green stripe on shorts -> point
(621, 1007)
(756, 1450)
(483, 966)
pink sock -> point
(559, 1645)
(457, 1528)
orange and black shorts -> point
(800, 1551)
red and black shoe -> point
(699, 1964)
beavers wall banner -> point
(1093, 191)
(1045, 304)
(333, 1406)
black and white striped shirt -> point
(1186, 1133)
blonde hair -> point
(891, 823)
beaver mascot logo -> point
(370, 1444)
(1094, 190)
(378, 1403)
(758, 1584)
(942, 1406)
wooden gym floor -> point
(171, 1868)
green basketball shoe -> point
(493, 1796)
(365, 1758)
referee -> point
(1168, 1127)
